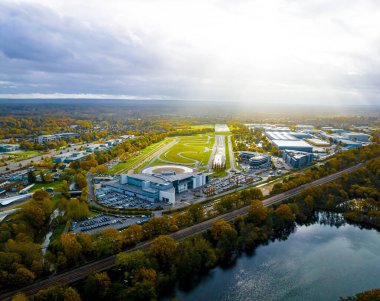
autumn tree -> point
(162, 249)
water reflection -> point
(319, 260)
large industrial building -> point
(158, 187)
(357, 136)
(297, 159)
(297, 145)
(255, 160)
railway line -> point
(109, 262)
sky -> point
(258, 51)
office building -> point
(297, 159)
(255, 160)
(161, 187)
(9, 147)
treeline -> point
(21, 260)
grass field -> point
(190, 151)
(138, 158)
(56, 185)
(203, 126)
(21, 155)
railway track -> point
(109, 262)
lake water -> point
(316, 262)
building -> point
(301, 135)
(349, 144)
(277, 135)
(69, 157)
(66, 136)
(161, 187)
(126, 137)
(357, 136)
(255, 160)
(304, 127)
(9, 147)
(297, 159)
(297, 145)
(45, 138)
(51, 138)
(318, 142)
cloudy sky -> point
(280, 51)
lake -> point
(316, 262)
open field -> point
(192, 151)
(137, 159)
(17, 156)
(203, 126)
(55, 185)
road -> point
(231, 153)
(109, 262)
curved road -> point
(109, 262)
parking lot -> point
(224, 184)
(116, 200)
(101, 222)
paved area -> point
(102, 222)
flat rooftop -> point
(291, 143)
(275, 135)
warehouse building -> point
(357, 136)
(297, 145)
(161, 187)
(255, 160)
(297, 159)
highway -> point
(109, 262)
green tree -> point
(162, 249)
(31, 177)
(96, 286)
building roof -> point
(160, 178)
(291, 143)
(318, 142)
(275, 135)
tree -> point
(22, 277)
(132, 235)
(371, 295)
(71, 295)
(31, 177)
(285, 213)
(257, 213)
(57, 293)
(80, 180)
(225, 237)
(20, 297)
(196, 212)
(162, 249)
(132, 261)
(71, 247)
(96, 286)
